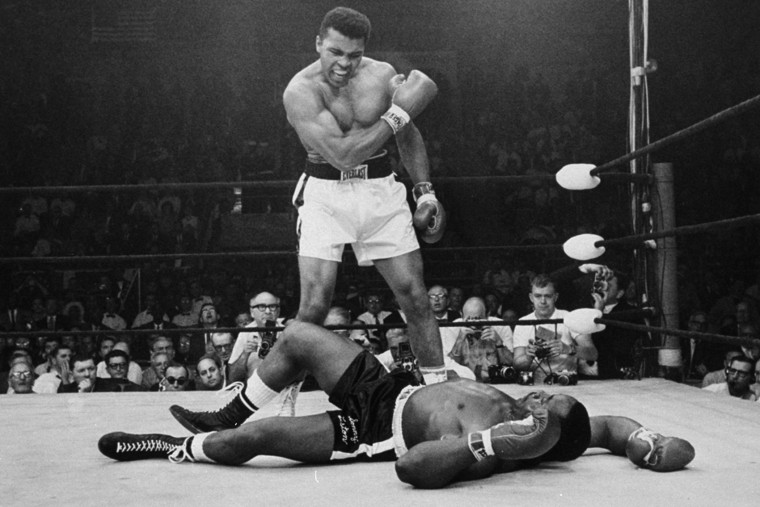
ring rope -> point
(710, 337)
(677, 136)
(624, 240)
(730, 223)
(623, 177)
(254, 253)
(202, 330)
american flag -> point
(123, 21)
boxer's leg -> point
(404, 276)
(308, 439)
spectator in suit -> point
(439, 302)
(53, 319)
(374, 314)
(177, 378)
(134, 372)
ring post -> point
(669, 356)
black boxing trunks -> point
(366, 394)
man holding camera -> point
(481, 347)
(252, 346)
(550, 351)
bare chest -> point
(355, 107)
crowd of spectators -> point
(108, 340)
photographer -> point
(400, 355)
(548, 349)
(619, 350)
(479, 347)
(251, 347)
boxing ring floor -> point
(49, 456)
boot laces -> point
(180, 453)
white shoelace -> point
(144, 446)
(180, 454)
(228, 392)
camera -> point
(563, 378)
(542, 349)
(525, 378)
(600, 284)
(406, 357)
(502, 374)
(268, 338)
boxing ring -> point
(48, 447)
(49, 455)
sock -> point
(258, 392)
(196, 448)
(433, 375)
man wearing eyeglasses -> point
(740, 375)
(20, 379)
(177, 379)
(83, 371)
(439, 302)
(375, 313)
(252, 346)
(117, 366)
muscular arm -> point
(319, 130)
(611, 432)
(411, 148)
(437, 463)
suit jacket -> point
(104, 385)
(61, 323)
(617, 346)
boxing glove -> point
(513, 440)
(410, 97)
(647, 449)
(430, 217)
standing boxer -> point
(344, 108)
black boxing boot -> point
(232, 415)
(129, 447)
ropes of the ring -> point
(681, 134)
(247, 254)
(590, 246)
(722, 225)
(549, 178)
(203, 330)
(710, 337)
(586, 242)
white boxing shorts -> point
(370, 214)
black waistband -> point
(378, 167)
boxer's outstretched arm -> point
(611, 432)
(319, 130)
(437, 463)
